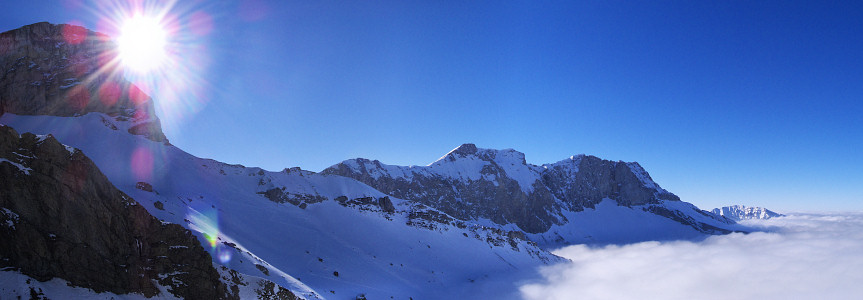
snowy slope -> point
(610, 223)
(413, 251)
(19, 286)
(15, 285)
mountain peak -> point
(465, 149)
(468, 150)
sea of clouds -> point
(800, 256)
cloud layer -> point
(803, 256)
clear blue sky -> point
(724, 102)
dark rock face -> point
(67, 70)
(270, 290)
(383, 204)
(386, 205)
(470, 183)
(144, 186)
(596, 179)
(61, 217)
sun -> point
(142, 44)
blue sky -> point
(725, 102)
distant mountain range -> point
(465, 226)
(740, 212)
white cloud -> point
(804, 256)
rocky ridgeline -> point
(472, 183)
(741, 212)
(61, 217)
(67, 70)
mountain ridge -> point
(742, 212)
(376, 230)
(469, 174)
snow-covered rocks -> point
(740, 212)
(499, 185)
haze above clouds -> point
(802, 256)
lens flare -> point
(142, 164)
(207, 224)
(206, 221)
(161, 44)
(74, 33)
(224, 255)
(78, 97)
(200, 23)
(109, 93)
(212, 238)
(253, 10)
(142, 43)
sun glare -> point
(142, 43)
(161, 47)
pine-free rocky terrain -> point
(96, 202)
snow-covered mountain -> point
(466, 226)
(547, 202)
(309, 232)
(740, 212)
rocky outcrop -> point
(67, 70)
(473, 183)
(61, 217)
(279, 195)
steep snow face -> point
(318, 235)
(740, 212)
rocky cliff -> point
(67, 70)
(61, 217)
(472, 183)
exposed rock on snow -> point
(473, 183)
